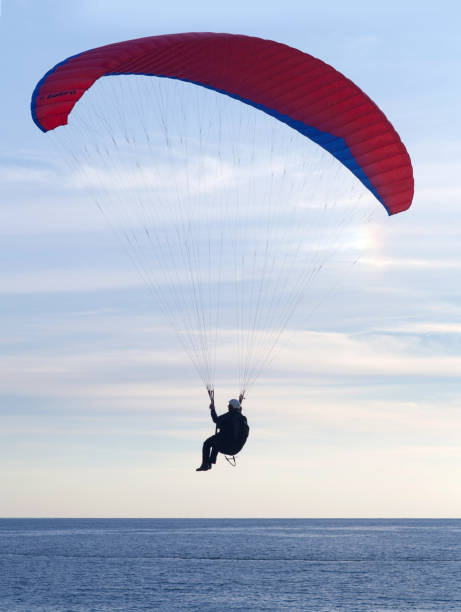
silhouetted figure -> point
(231, 435)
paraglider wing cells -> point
(294, 87)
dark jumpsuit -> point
(232, 435)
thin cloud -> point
(25, 176)
(68, 281)
(408, 262)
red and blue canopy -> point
(305, 93)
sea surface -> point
(242, 564)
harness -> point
(231, 460)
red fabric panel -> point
(270, 74)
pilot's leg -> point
(206, 450)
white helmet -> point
(235, 405)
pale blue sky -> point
(102, 415)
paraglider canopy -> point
(294, 87)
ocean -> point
(322, 565)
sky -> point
(359, 413)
